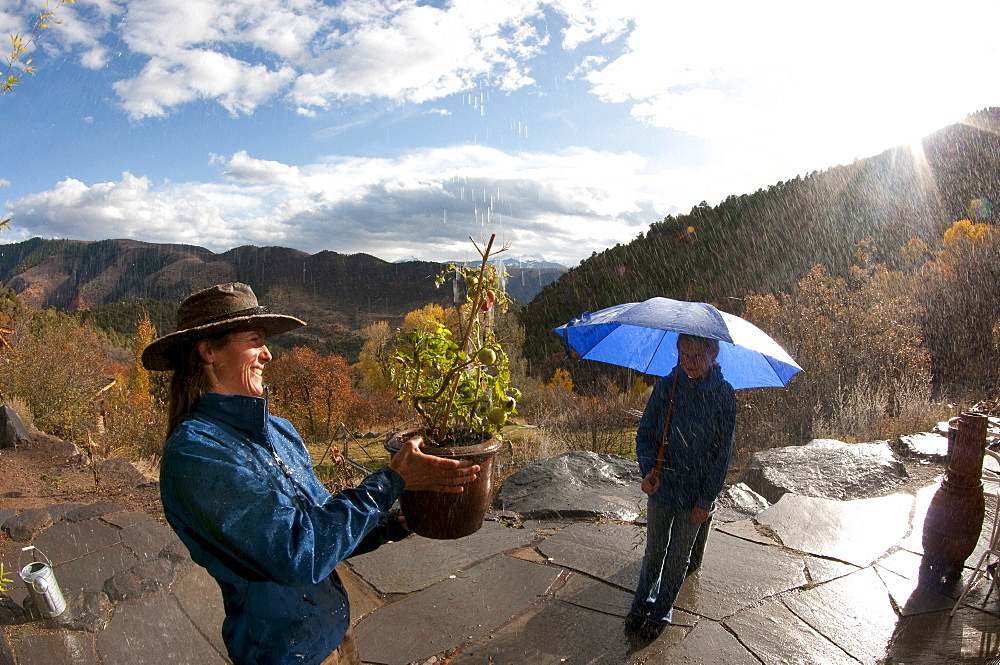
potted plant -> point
(457, 382)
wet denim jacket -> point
(702, 430)
(238, 488)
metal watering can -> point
(42, 586)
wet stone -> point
(825, 468)
(750, 530)
(154, 631)
(126, 518)
(853, 611)
(67, 541)
(591, 594)
(607, 551)
(857, 532)
(147, 539)
(97, 509)
(557, 634)
(578, 484)
(6, 653)
(86, 610)
(6, 514)
(91, 571)
(24, 526)
(363, 599)
(57, 649)
(924, 445)
(200, 599)
(912, 598)
(11, 612)
(60, 510)
(708, 644)
(931, 639)
(461, 610)
(775, 635)
(736, 574)
(177, 553)
(738, 502)
(140, 581)
(429, 560)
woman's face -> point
(695, 358)
(235, 367)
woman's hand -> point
(423, 472)
(650, 483)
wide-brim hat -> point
(210, 312)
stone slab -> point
(558, 634)
(736, 574)
(146, 539)
(57, 649)
(823, 570)
(935, 639)
(774, 634)
(914, 539)
(592, 594)
(154, 631)
(749, 530)
(66, 541)
(430, 561)
(708, 644)
(910, 597)
(90, 511)
(91, 571)
(126, 518)
(930, 446)
(452, 612)
(609, 551)
(857, 531)
(363, 599)
(853, 611)
(200, 599)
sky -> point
(402, 129)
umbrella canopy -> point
(643, 336)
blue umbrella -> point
(643, 336)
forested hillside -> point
(767, 241)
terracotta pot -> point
(445, 515)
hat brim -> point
(162, 354)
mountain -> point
(338, 294)
(766, 241)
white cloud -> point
(423, 204)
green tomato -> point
(510, 404)
(471, 281)
(497, 416)
(486, 356)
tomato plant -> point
(458, 381)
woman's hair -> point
(711, 345)
(189, 380)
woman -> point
(682, 494)
(238, 488)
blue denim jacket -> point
(238, 488)
(702, 430)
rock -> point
(54, 444)
(60, 510)
(176, 553)
(119, 472)
(738, 502)
(27, 524)
(578, 484)
(924, 445)
(93, 510)
(140, 581)
(827, 469)
(12, 430)
(87, 610)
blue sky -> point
(401, 128)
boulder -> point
(827, 469)
(925, 446)
(738, 502)
(27, 524)
(578, 484)
(12, 430)
(119, 472)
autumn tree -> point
(313, 391)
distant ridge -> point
(337, 294)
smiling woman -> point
(238, 487)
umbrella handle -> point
(666, 425)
